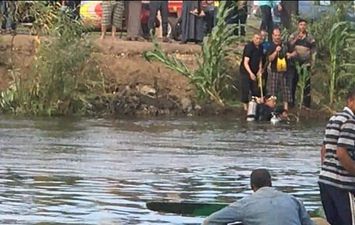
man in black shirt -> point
(278, 55)
(250, 68)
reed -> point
(303, 76)
(341, 52)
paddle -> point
(198, 209)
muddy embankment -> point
(139, 87)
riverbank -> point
(136, 87)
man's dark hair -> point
(351, 94)
(260, 178)
(276, 28)
(302, 20)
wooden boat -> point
(205, 209)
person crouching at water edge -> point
(265, 110)
(265, 206)
(250, 67)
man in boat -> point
(265, 206)
(337, 176)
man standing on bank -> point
(337, 176)
(279, 56)
(154, 7)
(265, 206)
(250, 68)
(305, 46)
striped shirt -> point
(339, 132)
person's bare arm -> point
(247, 67)
(291, 54)
(274, 54)
(293, 40)
(322, 154)
(345, 160)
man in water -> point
(265, 206)
(266, 110)
(337, 176)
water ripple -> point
(103, 171)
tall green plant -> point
(170, 61)
(346, 77)
(340, 40)
(211, 77)
(64, 76)
(303, 73)
(322, 27)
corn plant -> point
(340, 41)
(170, 61)
(211, 77)
(320, 28)
(304, 75)
(346, 77)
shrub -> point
(64, 77)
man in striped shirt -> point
(337, 176)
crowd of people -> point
(196, 21)
(270, 66)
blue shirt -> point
(265, 46)
(266, 206)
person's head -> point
(276, 35)
(270, 101)
(260, 178)
(257, 39)
(263, 34)
(350, 100)
(302, 25)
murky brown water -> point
(103, 171)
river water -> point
(96, 171)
